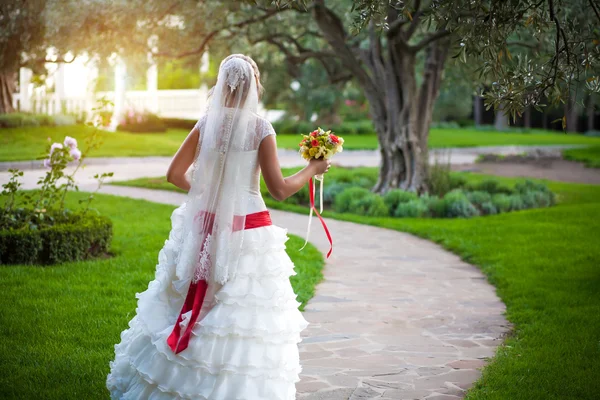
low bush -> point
(395, 197)
(516, 202)
(491, 186)
(458, 205)
(332, 190)
(488, 208)
(360, 201)
(440, 179)
(179, 123)
(502, 202)
(479, 197)
(81, 238)
(435, 205)
(141, 122)
(18, 120)
(412, 209)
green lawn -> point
(58, 324)
(29, 143)
(545, 264)
(589, 155)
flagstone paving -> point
(397, 317)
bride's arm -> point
(182, 161)
(279, 187)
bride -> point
(220, 321)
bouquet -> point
(319, 144)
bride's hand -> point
(320, 166)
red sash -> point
(195, 296)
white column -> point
(59, 87)
(152, 88)
(25, 88)
(119, 107)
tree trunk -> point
(401, 111)
(501, 120)
(478, 110)
(570, 111)
(527, 118)
(404, 133)
(8, 85)
(591, 113)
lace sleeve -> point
(263, 129)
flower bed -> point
(348, 191)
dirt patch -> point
(551, 168)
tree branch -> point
(202, 47)
(595, 9)
(428, 39)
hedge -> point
(18, 120)
(83, 239)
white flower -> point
(47, 163)
(70, 142)
(55, 146)
(75, 153)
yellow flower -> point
(313, 151)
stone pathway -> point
(290, 158)
(397, 317)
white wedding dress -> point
(245, 342)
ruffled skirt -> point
(245, 347)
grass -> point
(58, 324)
(545, 265)
(589, 155)
(30, 143)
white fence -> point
(184, 103)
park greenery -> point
(95, 300)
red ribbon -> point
(311, 193)
(197, 291)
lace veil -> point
(217, 202)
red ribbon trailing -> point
(197, 291)
(311, 193)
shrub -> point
(479, 197)
(136, 122)
(516, 202)
(457, 205)
(17, 120)
(488, 208)
(331, 191)
(440, 179)
(491, 186)
(435, 205)
(84, 237)
(411, 209)
(360, 201)
(179, 123)
(529, 199)
(397, 196)
(502, 202)
(530, 186)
